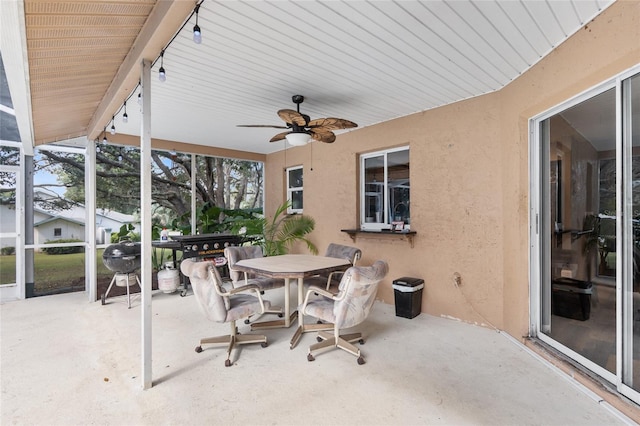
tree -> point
(220, 182)
(8, 156)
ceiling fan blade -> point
(261, 125)
(290, 116)
(323, 135)
(279, 137)
(331, 123)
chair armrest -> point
(330, 277)
(317, 290)
(244, 288)
(246, 277)
(249, 288)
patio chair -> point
(221, 305)
(235, 254)
(339, 251)
(348, 308)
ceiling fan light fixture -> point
(298, 138)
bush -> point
(63, 250)
(7, 251)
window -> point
(57, 232)
(294, 189)
(384, 189)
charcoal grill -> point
(124, 259)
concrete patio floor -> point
(66, 361)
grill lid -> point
(122, 257)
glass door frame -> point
(540, 226)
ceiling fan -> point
(301, 129)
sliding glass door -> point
(586, 233)
(630, 309)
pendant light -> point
(161, 73)
(197, 34)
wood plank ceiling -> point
(74, 51)
(366, 61)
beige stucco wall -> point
(469, 180)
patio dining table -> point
(288, 267)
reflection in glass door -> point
(580, 284)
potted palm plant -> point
(279, 233)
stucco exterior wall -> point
(469, 180)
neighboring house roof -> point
(58, 218)
(76, 213)
(114, 215)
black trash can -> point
(408, 296)
(571, 298)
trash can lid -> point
(408, 281)
(407, 289)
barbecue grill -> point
(124, 259)
(207, 245)
(203, 246)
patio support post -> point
(91, 271)
(28, 286)
(145, 216)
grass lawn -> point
(52, 271)
(60, 271)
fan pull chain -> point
(311, 147)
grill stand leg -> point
(104, 296)
(113, 280)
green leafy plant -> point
(125, 234)
(63, 250)
(279, 233)
(213, 219)
(7, 251)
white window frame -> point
(291, 190)
(385, 223)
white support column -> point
(91, 268)
(194, 168)
(145, 216)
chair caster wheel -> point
(227, 363)
(247, 321)
(183, 293)
(360, 360)
(319, 339)
(310, 358)
(280, 315)
(361, 341)
(198, 349)
(104, 298)
(264, 344)
(318, 322)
